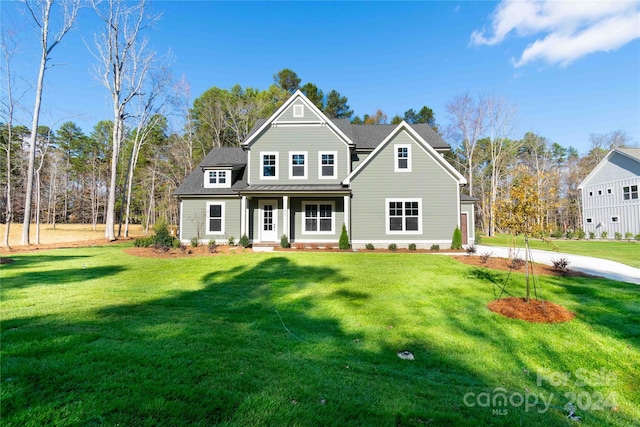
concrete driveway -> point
(595, 266)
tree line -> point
(126, 168)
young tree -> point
(124, 60)
(41, 14)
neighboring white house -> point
(610, 195)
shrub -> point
(369, 246)
(637, 236)
(456, 241)
(194, 242)
(485, 257)
(231, 240)
(628, 235)
(435, 247)
(328, 246)
(344, 238)
(393, 247)
(144, 242)
(412, 246)
(580, 234)
(299, 245)
(314, 246)
(183, 248)
(213, 247)
(557, 234)
(592, 235)
(517, 263)
(471, 249)
(478, 237)
(570, 234)
(284, 241)
(244, 241)
(162, 235)
(604, 234)
(560, 264)
(618, 236)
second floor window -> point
(327, 165)
(269, 165)
(630, 192)
(298, 165)
(216, 179)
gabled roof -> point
(370, 136)
(631, 153)
(219, 157)
(404, 126)
(297, 96)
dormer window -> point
(402, 158)
(217, 179)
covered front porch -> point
(304, 214)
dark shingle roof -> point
(467, 198)
(231, 157)
(370, 136)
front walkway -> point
(594, 266)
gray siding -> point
(311, 139)
(602, 202)
(193, 216)
(297, 220)
(427, 181)
(308, 115)
(616, 168)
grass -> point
(94, 336)
(63, 233)
(623, 251)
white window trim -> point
(268, 153)
(396, 168)
(388, 217)
(306, 164)
(227, 183)
(317, 203)
(335, 165)
(298, 111)
(222, 222)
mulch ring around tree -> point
(534, 311)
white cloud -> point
(564, 30)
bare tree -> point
(467, 119)
(499, 122)
(124, 60)
(41, 14)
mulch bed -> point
(189, 252)
(534, 311)
(504, 264)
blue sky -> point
(571, 68)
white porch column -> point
(243, 216)
(285, 216)
(347, 214)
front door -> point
(268, 221)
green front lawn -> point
(94, 336)
(623, 251)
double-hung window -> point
(327, 164)
(402, 158)
(318, 217)
(269, 165)
(216, 179)
(298, 168)
(404, 216)
(630, 192)
(215, 218)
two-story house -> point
(303, 175)
(610, 194)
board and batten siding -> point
(602, 202)
(308, 138)
(428, 181)
(193, 216)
